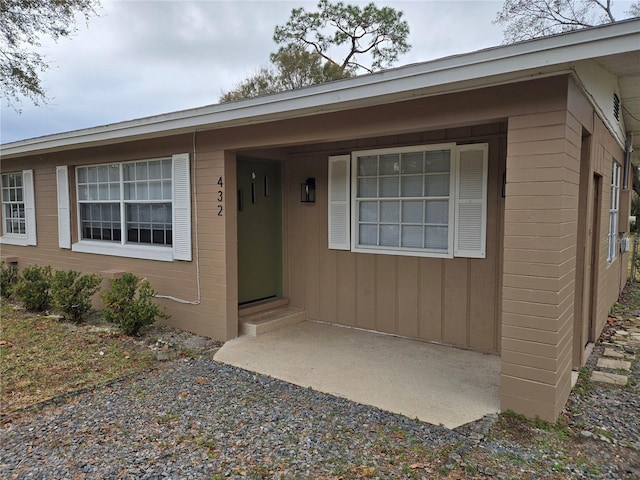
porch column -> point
(541, 209)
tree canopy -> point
(291, 68)
(378, 33)
(334, 42)
(527, 19)
(23, 23)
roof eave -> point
(472, 70)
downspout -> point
(629, 170)
(628, 148)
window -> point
(15, 222)
(130, 209)
(138, 193)
(18, 209)
(420, 201)
(614, 206)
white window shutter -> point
(181, 186)
(471, 201)
(339, 202)
(29, 206)
(64, 218)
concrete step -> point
(263, 322)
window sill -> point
(11, 240)
(402, 252)
(163, 254)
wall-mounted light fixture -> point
(308, 190)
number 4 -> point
(220, 181)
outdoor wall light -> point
(308, 190)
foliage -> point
(379, 33)
(71, 293)
(42, 358)
(34, 287)
(290, 69)
(8, 279)
(129, 304)
(337, 41)
(22, 25)
(527, 19)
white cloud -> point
(141, 58)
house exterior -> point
(479, 201)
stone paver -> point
(613, 363)
(610, 352)
(614, 378)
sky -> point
(140, 58)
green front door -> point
(259, 230)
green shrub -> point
(129, 304)
(34, 287)
(71, 293)
(8, 279)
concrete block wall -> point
(541, 211)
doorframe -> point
(275, 302)
(596, 220)
(584, 245)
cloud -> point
(140, 58)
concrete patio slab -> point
(436, 384)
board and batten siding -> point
(451, 301)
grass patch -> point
(41, 358)
(629, 303)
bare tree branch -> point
(527, 19)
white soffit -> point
(492, 66)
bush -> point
(71, 293)
(8, 279)
(129, 304)
(34, 286)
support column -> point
(541, 211)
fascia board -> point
(476, 69)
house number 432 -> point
(220, 196)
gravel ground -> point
(196, 418)
(597, 435)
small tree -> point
(34, 287)
(129, 304)
(72, 292)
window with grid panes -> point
(612, 238)
(133, 197)
(13, 208)
(403, 200)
